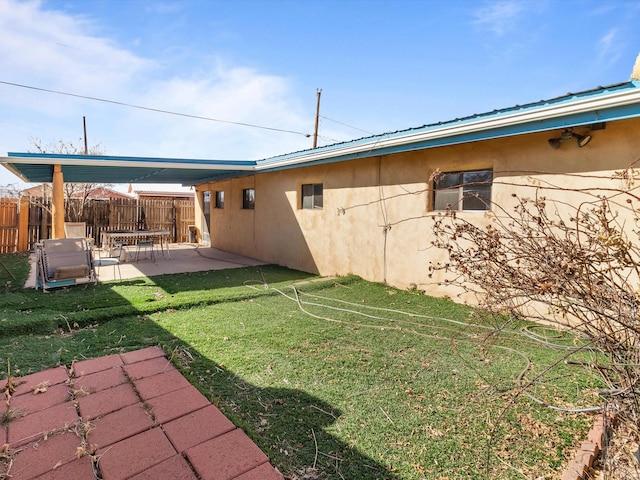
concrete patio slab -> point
(32, 426)
(49, 455)
(93, 365)
(226, 457)
(82, 468)
(181, 258)
(109, 431)
(176, 467)
(34, 403)
(106, 401)
(135, 454)
(95, 382)
(141, 355)
(51, 376)
(118, 425)
(197, 427)
(175, 404)
(156, 385)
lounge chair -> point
(64, 262)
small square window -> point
(312, 196)
(220, 199)
(249, 199)
(469, 190)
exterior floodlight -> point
(568, 134)
(583, 140)
(555, 143)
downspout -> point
(57, 203)
(385, 219)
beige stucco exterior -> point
(376, 221)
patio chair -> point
(107, 261)
(63, 262)
(145, 246)
(111, 260)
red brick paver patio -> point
(128, 416)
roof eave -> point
(581, 111)
(114, 161)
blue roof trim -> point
(549, 124)
(134, 160)
(83, 174)
(564, 122)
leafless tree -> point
(76, 194)
(575, 265)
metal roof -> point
(38, 167)
(602, 104)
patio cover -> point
(39, 168)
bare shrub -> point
(573, 266)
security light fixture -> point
(568, 134)
(582, 139)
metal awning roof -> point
(615, 102)
(38, 168)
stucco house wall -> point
(376, 219)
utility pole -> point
(84, 124)
(315, 130)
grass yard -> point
(333, 379)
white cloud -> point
(606, 42)
(609, 48)
(54, 50)
(238, 100)
(499, 17)
(48, 46)
(164, 7)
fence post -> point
(23, 224)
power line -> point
(158, 110)
(346, 125)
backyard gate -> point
(8, 225)
(39, 223)
(185, 217)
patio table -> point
(161, 236)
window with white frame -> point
(249, 199)
(312, 196)
(466, 190)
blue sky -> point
(382, 65)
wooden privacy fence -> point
(124, 214)
(8, 225)
(115, 214)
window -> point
(206, 200)
(463, 190)
(248, 198)
(312, 196)
(206, 208)
(220, 199)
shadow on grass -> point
(25, 310)
(289, 425)
(229, 278)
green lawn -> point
(333, 379)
